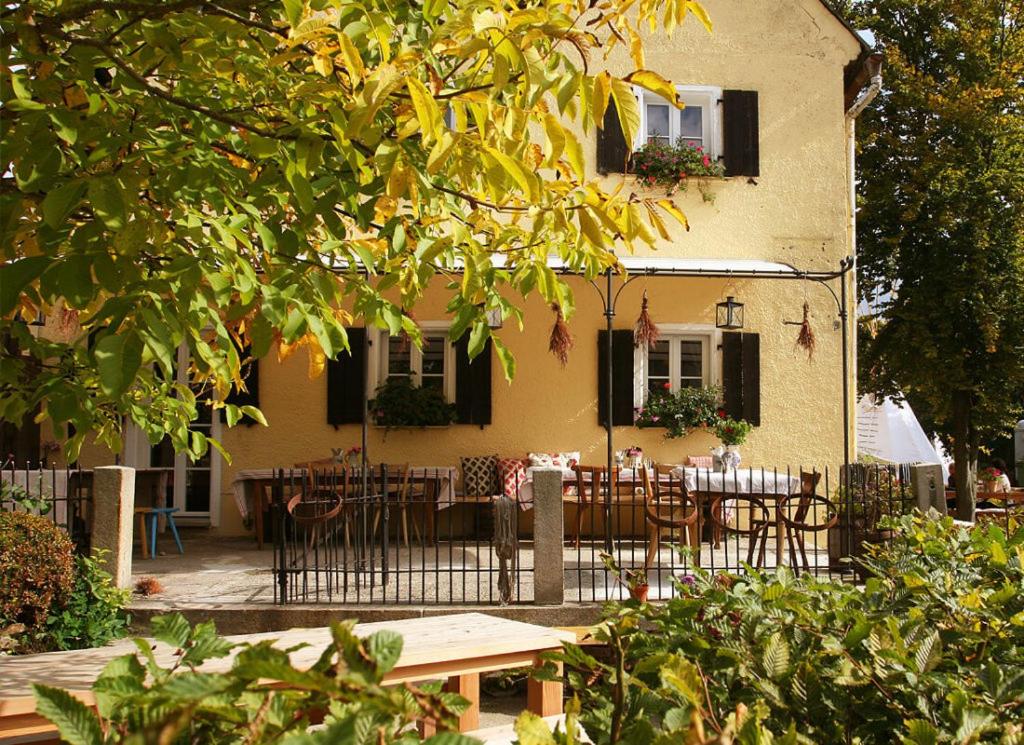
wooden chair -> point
(325, 488)
(592, 483)
(798, 520)
(756, 532)
(397, 486)
(667, 507)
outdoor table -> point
(456, 648)
(705, 485)
(630, 477)
(252, 487)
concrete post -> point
(548, 537)
(113, 501)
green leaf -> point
(16, 276)
(920, 732)
(776, 657)
(532, 730)
(505, 358)
(385, 647)
(108, 201)
(59, 203)
(172, 629)
(118, 359)
(293, 12)
(75, 721)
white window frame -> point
(709, 98)
(379, 361)
(707, 334)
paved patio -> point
(218, 572)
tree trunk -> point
(965, 455)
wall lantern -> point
(494, 318)
(729, 314)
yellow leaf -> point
(636, 48)
(602, 90)
(670, 207)
(574, 154)
(698, 10)
(629, 112)
(323, 64)
(590, 228)
(440, 152)
(427, 112)
(350, 55)
(656, 221)
(515, 169)
(555, 135)
(317, 358)
(384, 208)
(653, 82)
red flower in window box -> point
(667, 386)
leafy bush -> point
(930, 650)
(37, 569)
(681, 411)
(732, 431)
(399, 403)
(261, 698)
(93, 615)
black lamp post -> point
(729, 314)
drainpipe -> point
(863, 100)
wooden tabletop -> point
(434, 646)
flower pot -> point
(731, 458)
(639, 592)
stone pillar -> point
(548, 537)
(113, 501)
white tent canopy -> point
(889, 431)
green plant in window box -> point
(675, 166)
(679, 412)
(399, 402)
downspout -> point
(873, 64)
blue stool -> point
(152, 514)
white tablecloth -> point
(741, 481)
(445, 498)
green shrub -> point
(929, 650)
(400, 403)
(37, 569)
(262, 698)
(94, 613)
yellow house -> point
(772, 94)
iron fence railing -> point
(390, 534)
(60, 494)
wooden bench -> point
(455, 648)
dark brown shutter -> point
(472, 383)
(741, 376)
(346, 381)
(251, 395)
(612, 150)
(741, 140)
(752, 378)
(622, 377)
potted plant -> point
(398, 402)
(675, 166)
(679, 412)
(732, 433)
(867, 495)
(989, 478)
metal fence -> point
(62, 495)
(391, 534)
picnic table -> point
(455, 648)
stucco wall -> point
(793, 53)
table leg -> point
(467, 686)
(698, 500)
(544, 698)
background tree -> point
(941, 225)
(220, 173)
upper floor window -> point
(697, 124)
(432, 365)
(683, 357)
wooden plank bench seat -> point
(455, 648)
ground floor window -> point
(681, 358)
(432, 365)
